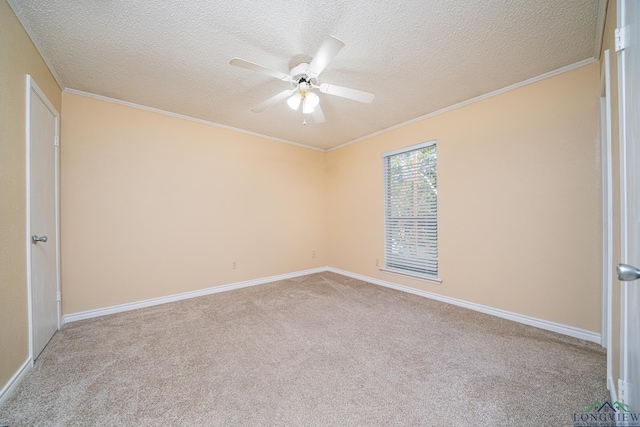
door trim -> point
(31, 85)
(607, 212)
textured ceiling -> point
(416, 56)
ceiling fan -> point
(304, 80)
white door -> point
(629, 80)
(42, 165)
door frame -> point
(32, 86)
(607, 213)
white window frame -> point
(429, 261)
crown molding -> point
(184, 117)
(471, 101)
(23, 21)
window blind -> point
(411, 210)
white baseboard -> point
(15, 380)
(611, 386)
(531, 321)
(74, 317)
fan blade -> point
(324, 56)
(260, 69)
(318, 115)
(346, 92)
(271, 101)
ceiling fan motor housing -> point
(300, 78)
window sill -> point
(423, 277)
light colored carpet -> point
(320, 350)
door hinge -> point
(622, 38)
(58, 297)
(56, 142)
(622, 391)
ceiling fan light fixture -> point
(294, 101)
(311, 101)
(304, 79)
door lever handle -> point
(627, 273)
(37, 239)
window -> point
(410, 211)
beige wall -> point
(154, 205)
(519, 201)
(18, 57)
(609, 44)
(173, 203)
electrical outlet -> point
(234, 265)
(377, 262)
(313, 254)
